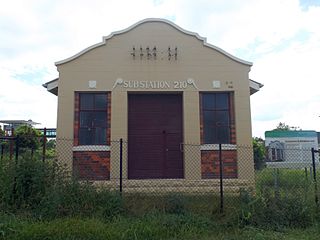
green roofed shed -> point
(286, 134)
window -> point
(276, 154)
(276, 151)
(216, 118)
(93, 118)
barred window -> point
(216, 117)
(93, 119)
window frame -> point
(94, 128)
(214, 139)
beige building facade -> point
(171, 96)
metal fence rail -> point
(221, 172)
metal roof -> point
(288, 134)
(30, 122)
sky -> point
(280, 37)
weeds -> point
(274, 212)
(45, 193)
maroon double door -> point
(154, 136)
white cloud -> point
(280, 37)
(291, 93)
(22, 100)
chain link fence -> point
(218, 177)
(31, 146)
(290, 172)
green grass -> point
(152, 226)
(286, 178)
(38, 201)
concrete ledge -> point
(161, 186)
(292, 165)
(92, 148)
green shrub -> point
(285, 179)
(24, 182)
(275, 212)
(74, 198)
(175, 203)
(28, 137)
(46, 190)
(111, 204)
(259, 153)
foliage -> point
(72, 198)
(46, 190)
(152, 226)
(259, 153)
(1, 132)
(283, 198)
(2, 142)
(23, 183)
(51, 144)
(175, 204)
(52, 203)
(273, 212)
(50, 149)
(284, 127)
(28, 137)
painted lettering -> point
(142, 84)
(155, 84)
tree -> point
(51, 144)
(284, 127)
(51, 148)
(1, 132)
(28, 137)
(2, 142)
(259, 153)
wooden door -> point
(154, 136)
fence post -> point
(11, 144)
(221, 178)
(315, 176)
(17, 148)
(14, 190)
(44, 140)
(2, 151)
(121, 145)
(276, 183)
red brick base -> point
(210, 164)
(91, 165)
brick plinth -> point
(88, 165)
(210, 164)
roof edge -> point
(52, 86)
(45, 85)
(260, 84)
(194, 34)
(254, 86)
